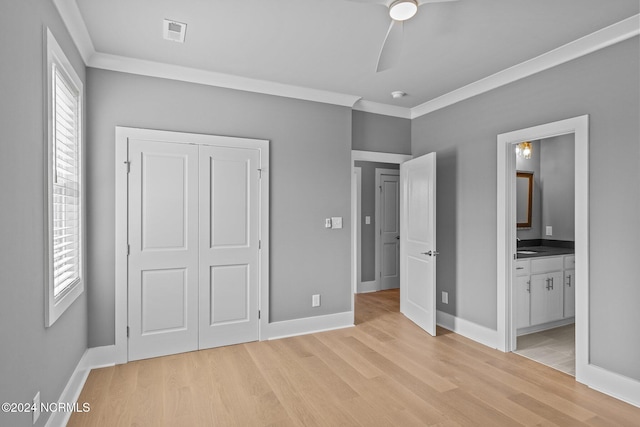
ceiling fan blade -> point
(392, 46)
(421, 2)
(384, 3)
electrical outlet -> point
(549, 230)
(336, 222)
(36, 407)
(315, 300)
(445, 297)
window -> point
(65, 253)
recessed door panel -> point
(418, 294)
(229, 294)
(164, 200)
(390, 259)
(390, 205)
(164, 297)
(229, 201)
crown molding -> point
(597, 40)
(70, 14)
(600, 39)
(193, 75)
(384, 109)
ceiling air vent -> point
(174, 31)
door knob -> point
(431, 253)
(397, 237)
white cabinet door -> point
(523, 301)
(163, 260)
(546, 297)
(569, 293)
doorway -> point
(417, 185)
(192, 209)
(369, 281)
(506, 233)
(544, 287)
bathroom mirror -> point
(524, 199)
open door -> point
(418, 241)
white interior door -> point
(229, 245)
(389, 229)
(163, 240)
(418, 241)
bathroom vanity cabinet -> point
(544, 294)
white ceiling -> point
(333, 45)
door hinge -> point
(259, 244)
(128, 163)
(128, 249)
(258, 314)
(127, 332)
(259, 173)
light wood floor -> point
(383, 372)
(554, 347)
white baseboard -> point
(364, 287)
(92, 358)
(473, 331)
(308, 325)
(545, 326)
(615, 385)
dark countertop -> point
(544, 251)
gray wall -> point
(376, 132)
(557, 177)
(310, 181)
(368, 207)
(604, 85)
(532, 165)
(32, 357)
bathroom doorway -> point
(548, 272)
(544, 287)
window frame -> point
(56, 306)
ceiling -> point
(333, 45)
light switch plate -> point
(445, 297)
(549, 230)
(367, 220)
(336, 222)
(327, 223)
(315, 300)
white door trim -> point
(365, 156)
(121, 221)
(506, 230)
(378, 264)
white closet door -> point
(229, 245)
(163, 239)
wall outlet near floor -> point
(445, 297)
(315, 300)
(549, 231)
(36, 407)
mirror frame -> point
(528, 176)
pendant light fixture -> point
(524, 150)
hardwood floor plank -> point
(384, 372)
